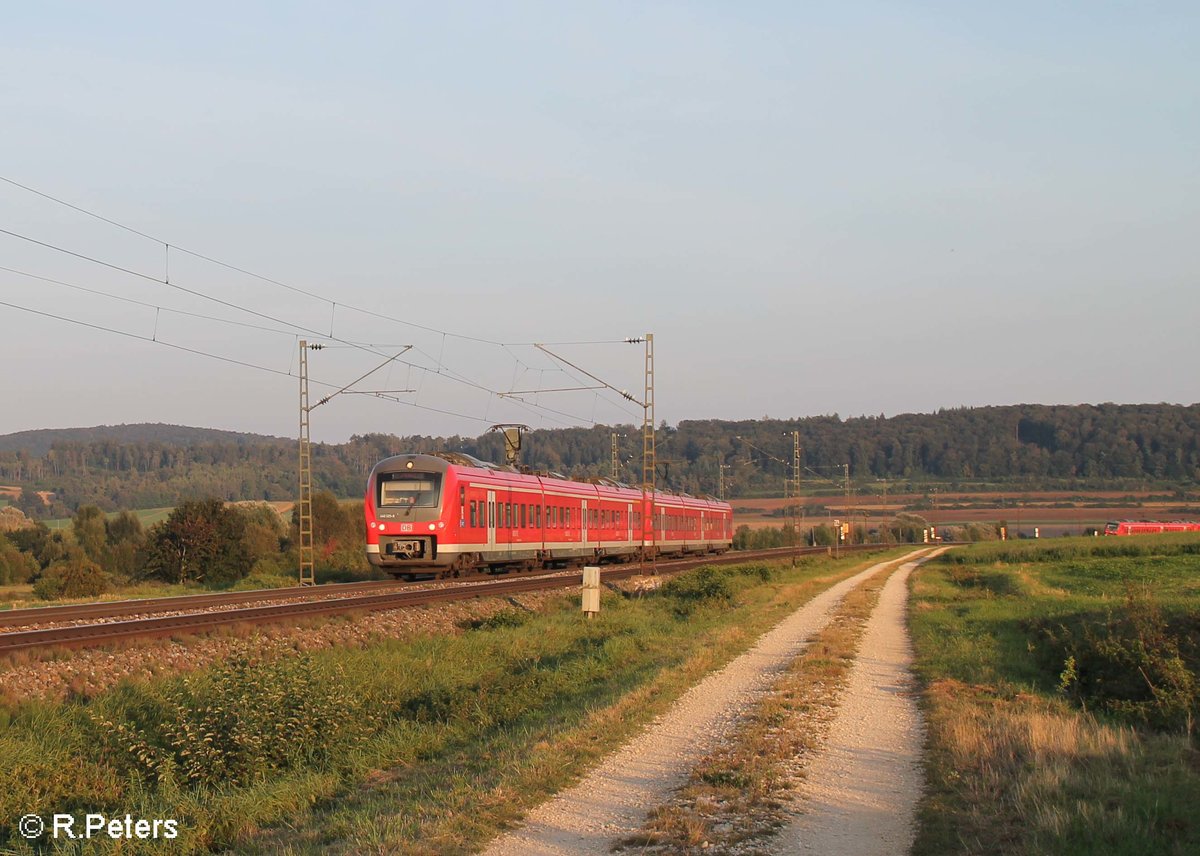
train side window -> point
(524, 521)
(537, 511)
(472, 514)
(491, 514)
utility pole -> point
(307, 556)
(648, 450)
(615, 461)
(846, 468)
(796, 491)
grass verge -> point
(428, 745)
(1025, 754)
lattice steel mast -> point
(307, 555)
(648, 450)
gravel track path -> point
(613, 799)
(861, 788)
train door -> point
(505, 544)
(629, 522)
(491, 521)
(583, 524)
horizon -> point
(765, 418)
(868, 208)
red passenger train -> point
(449, 513)
(1149, 527)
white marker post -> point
(591, 591)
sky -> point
(816, 208)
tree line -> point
(1035, 445)
(203, 541)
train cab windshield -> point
(409, 490)
(1111, 528)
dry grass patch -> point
(1022, 774)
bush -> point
(235, 725)
(1132, 664)
(701, 587)
(264, 581)
(15, 566)
(73, 577)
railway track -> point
(349, 598)
(151, 605)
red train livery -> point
(1149, 527)
(449, 513)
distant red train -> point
(449, 513)
(1149, 527)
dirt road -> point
(861, 789)
(613, 799)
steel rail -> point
(151, 605)
(90, 635)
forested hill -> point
(41, 441)
(1037, 445)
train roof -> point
(442, 461)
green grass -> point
(428, 745)
(148, 516)
(1037, 662)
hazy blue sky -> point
(816, 208)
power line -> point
(460, 378)
(153, 306)
(228, 266)
(272, 281)
(154, 341)
(221, 357)
(165, 281)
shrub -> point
(1132, 664)
(72, 577)
(235, 725)
(15, 566)
(701, 587)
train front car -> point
(408, 508)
